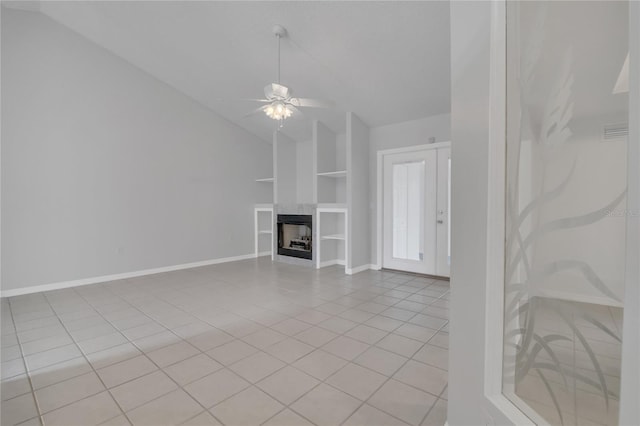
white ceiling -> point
(386, 61)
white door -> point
(409, 211)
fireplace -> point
(294, 235)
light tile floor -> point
(243, 343)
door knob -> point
(440, 221)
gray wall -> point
(358, 191)
(304, 172)
(285, 169)
(107, 170)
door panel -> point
(409, 217)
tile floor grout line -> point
(158, 369)
(95, 372)
(391, 378)
(433, 405)
(233, 372)
(26, 373)
(316, 348)
(263, 326)
(348, 362)
(351, 362)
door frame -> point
(630, 370)
(380, 188)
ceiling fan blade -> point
(242, 100)
(311, 103)
(255, 111)
(296, 113)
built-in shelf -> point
(337, 174)
(333, 237)
(331, 225)
(263, 225)
(268, 180)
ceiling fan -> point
(280, 102)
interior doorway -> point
(414, 209)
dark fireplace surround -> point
(294, 235)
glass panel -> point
(565, 201)
(408, 210)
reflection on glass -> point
(449, 213)
(408, 210)
(565, 249)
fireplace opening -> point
(294, 235)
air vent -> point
(615, 131)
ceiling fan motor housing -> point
(279, 31)
(275, 91)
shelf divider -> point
(333, 237)
(336, 174)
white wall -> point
(470, 118)
(107, 170)
(400, 135)
(285, 169)
(304, 172)
(358, 181)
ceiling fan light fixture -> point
(278, 110)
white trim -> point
(511, 403)
(379, 187)
(412, 148)
(264, 253)
(274, 153)
(319, 239)
(351, 271)
(379, 206)
(630, 370)
(336, 175)
(340, 262)
(496, 223)
(105, 278)
(496, 220)
(258, 232)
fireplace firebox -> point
(294, 235)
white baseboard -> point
(331, 263)
(351, 271)
(375, 267)
(264, 253)
(105, 278)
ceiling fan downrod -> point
(279, 31)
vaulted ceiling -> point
(386, 61)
